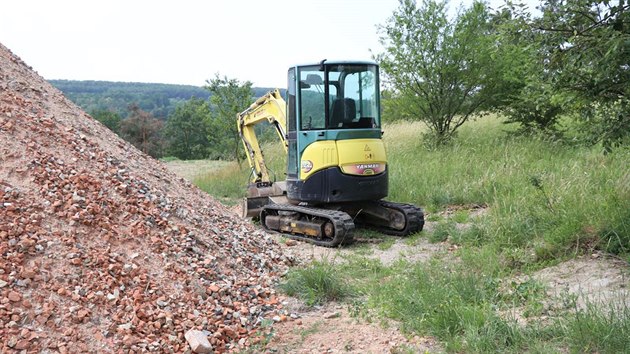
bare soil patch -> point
(598, 280)
(416, 251)
(331, 329)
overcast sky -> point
(188, 41)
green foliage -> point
(534, 107)
(159, 100)
(452, 303)
(442, 232)
(316, 284)
(227, 184)
(109, 119)
(606, 122)
(551, 198)
(579, 50)
(529, 97)
(467, 306)
(143, 131)
(169, 159)
(229, 97)
(187, 130)
(393, 108)
(437, 69)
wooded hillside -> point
(158, 99)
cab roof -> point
(339, 62)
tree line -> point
(197, 128)
(159, 100)
(564, 67)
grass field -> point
(546, 201)
(195, 168)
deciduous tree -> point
(439, 69)
(187, 130)
(525, 89)
(143, 131)
(229, 97)
(589, 46)
(109, 119)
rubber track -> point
(342, 223)
(414, 217)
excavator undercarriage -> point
(328, 225)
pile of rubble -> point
(102, 249)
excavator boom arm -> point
(271, 108)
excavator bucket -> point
(259, 195)
(252, 206)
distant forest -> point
(159, 100)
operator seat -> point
(343, 111)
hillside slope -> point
(103, 249)
(158, 99)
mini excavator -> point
(337, 172)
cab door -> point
(292, 156)
(312, 108)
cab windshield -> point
(344, 96)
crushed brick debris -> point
(102, 249)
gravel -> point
(103, 249)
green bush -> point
(316, 284)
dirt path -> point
(331, 328)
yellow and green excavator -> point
(337, 171)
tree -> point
(438, 70)
(109, 119)
(229, 97)
(187, 130)
(143, 131)
(589, 46)
(526, 95)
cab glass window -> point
(356, 103)
(313, 98)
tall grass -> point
(316, 284)
(466, 308)
(592, 330)
(451, 303)
(552, 197)
(230, 183)
(227, 184)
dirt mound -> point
(103, 249)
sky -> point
(190, 41)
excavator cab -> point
(335, 151)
